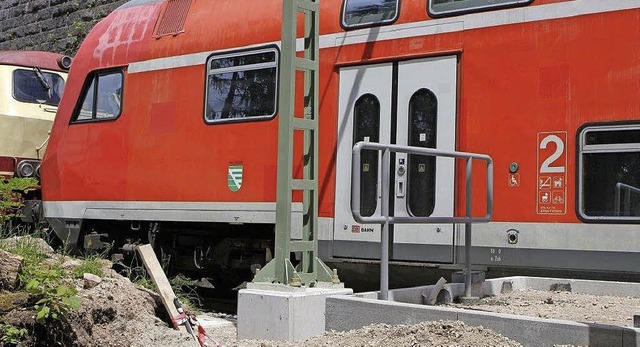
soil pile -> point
(118, 313)
(113, 312)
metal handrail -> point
(628, 190)
(385, 219)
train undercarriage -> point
(226, 254)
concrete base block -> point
(283, 313)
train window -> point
(366, 127)
(38, 87)
(242, 86)
(439, 8)
(609, 166)
(421, 183)
(361, 13)
(101, 98)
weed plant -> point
(183, 287)
(46, 281)
(11, 335)
(10, 193)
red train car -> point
(168, 129)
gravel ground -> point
(563, 305)
(441, 333)
(116, 312)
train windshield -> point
(36, 86)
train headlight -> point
(26, 169)
(65, 62)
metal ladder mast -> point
(311, 269)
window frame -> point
(94, 75)
(584, 148)
(13, 85)
(236, 53)
(483, 6)
(345, 26)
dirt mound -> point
(114, 312)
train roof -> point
(44, 60)
(141, 30)
(138, 2)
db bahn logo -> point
(357, 229)
(235, 177)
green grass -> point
(25, 247)
(91, 265)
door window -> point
(423, 110)
(367, 128)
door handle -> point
(400, 191)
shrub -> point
(10, 197)
(11, 335)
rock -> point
(560, 287)
(9, 267)
(507, 287)
(11, 301)
(69, 263)
(91, 280)
(38, 243)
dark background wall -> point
(50, 25)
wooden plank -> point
(162, 283)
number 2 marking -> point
(546, 165)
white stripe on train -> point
(425, 28)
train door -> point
(406, 103)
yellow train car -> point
(31, 85)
